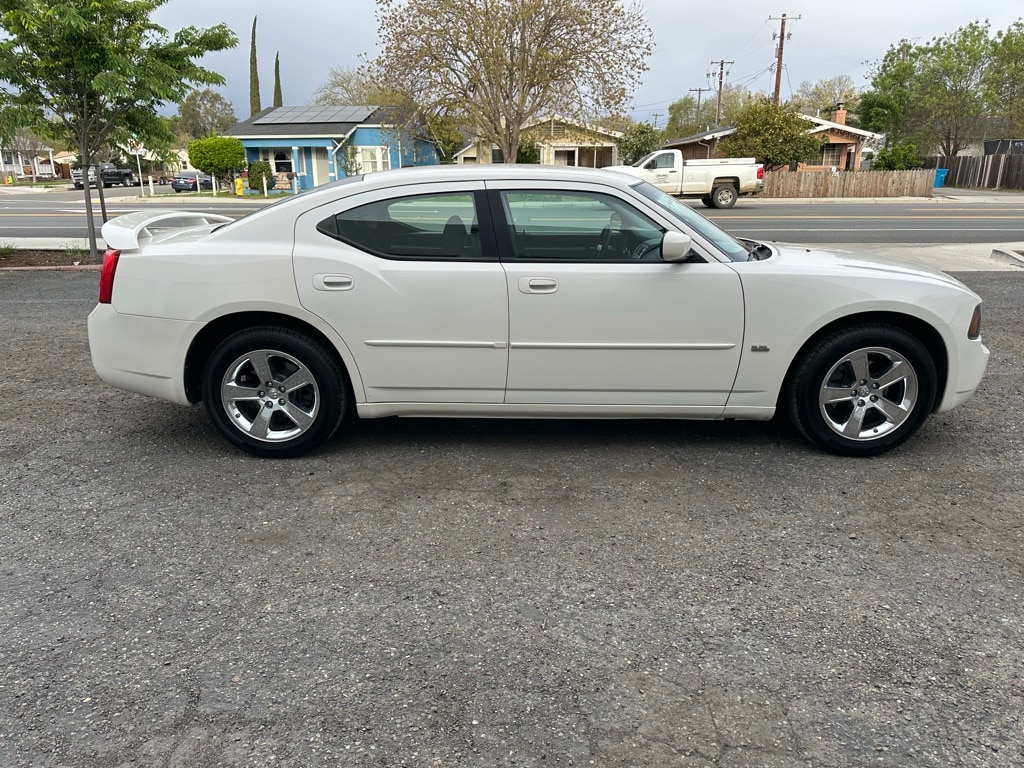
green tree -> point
(775, 135)
(1004, 79)
(92, 74)
(689, 115)
(638, 140)
(204, 113)
(497, 70)
(735, 99)
(217, 155)
(254, 74)
(901, 157)
(933, 95)
(278, 97)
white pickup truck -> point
(718, 182)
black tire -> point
(862, 390)
(724, 196)
(301, 417)
(706, 199)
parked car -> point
(504, 290)
(191, 181)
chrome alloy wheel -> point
(270, 395)
(869, 393)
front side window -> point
(578, 226)
(693, 221)
(441, 226)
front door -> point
(597, 318)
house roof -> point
(828, 125)
(315, 120)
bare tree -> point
(496, 64)
(816, 98)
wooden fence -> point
(991, 171)
(786, 183)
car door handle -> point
(324, 282)
(538, 285)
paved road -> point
(472, 593)
(956, 217)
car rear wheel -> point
(274, 392)
(863, 390)
(724, 196)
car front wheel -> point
(274, 392)
(862, 390)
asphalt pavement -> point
(446, 593)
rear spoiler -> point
(133, 230)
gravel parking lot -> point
(478, 593)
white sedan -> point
(504, 290)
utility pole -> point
(656, 115)
(778, 53)
(721, 80)
(699, 92)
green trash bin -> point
(940, 176)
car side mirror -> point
(675, 246)
(650, 166)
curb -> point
(56, 268)
(1008, 256)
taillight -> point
(107, 275)
(760, 172)
(974, 329)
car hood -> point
(836, 259)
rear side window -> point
(439, 226)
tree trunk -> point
(90, 223)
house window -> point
(282, 162)
(833, 155)
(372, 159)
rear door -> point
(411, 282)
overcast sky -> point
(826, 41)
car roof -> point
(469, 173)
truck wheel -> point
(706, 199)
(724, 196)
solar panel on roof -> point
(315, 114)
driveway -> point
(485, 593)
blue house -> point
(309, 146)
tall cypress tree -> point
(254, 75)
(278, 98)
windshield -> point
(640, 163)
(692, 220)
